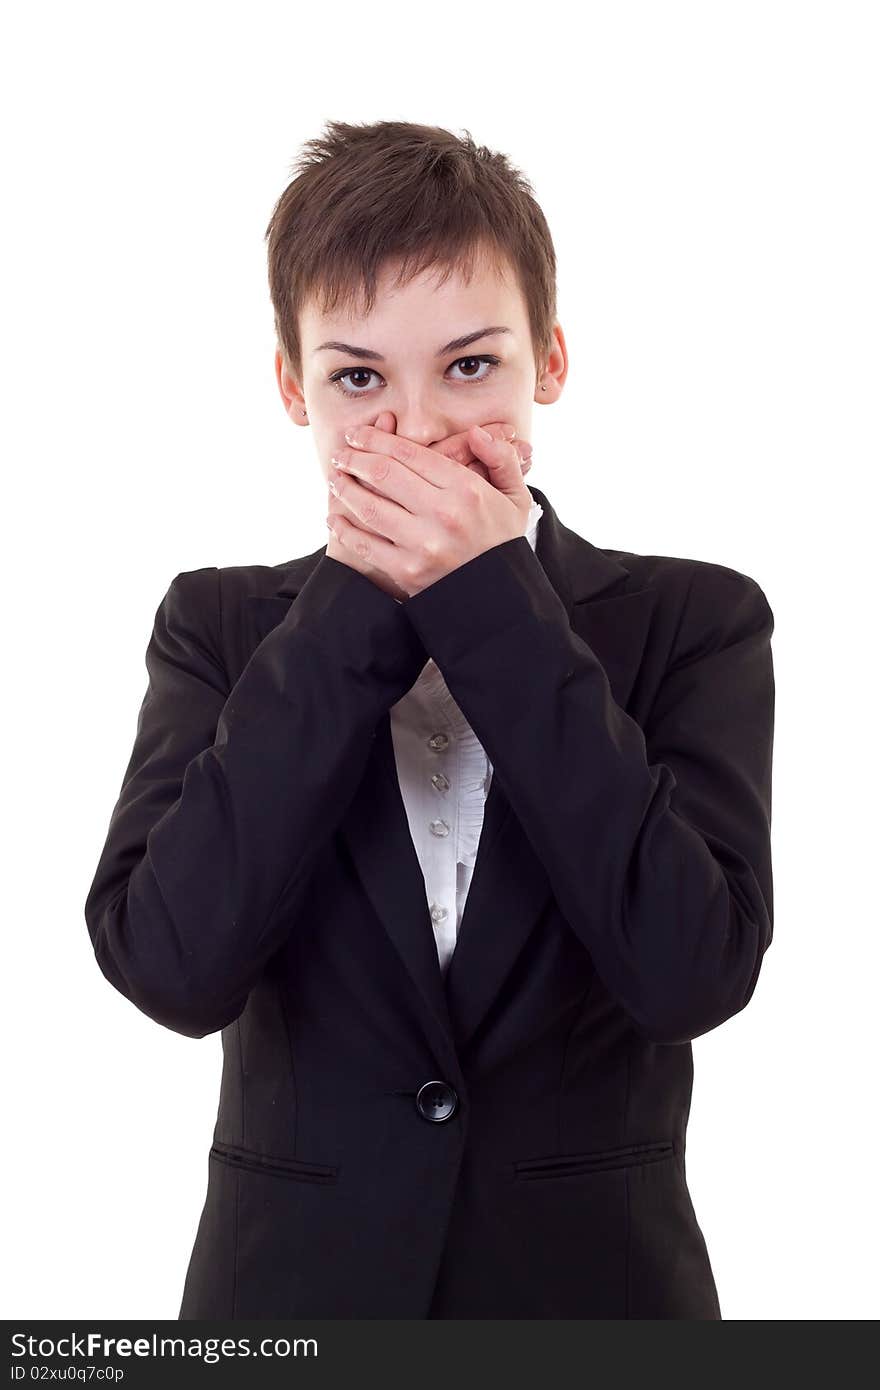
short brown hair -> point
(364, 194)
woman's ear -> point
(291, 395)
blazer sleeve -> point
(656, 841)
(229, 794)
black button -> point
(436, 1100)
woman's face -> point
(406, 356)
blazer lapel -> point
(509, 889)
(376, 831)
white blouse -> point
(445, 776)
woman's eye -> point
(360, 388)
(488, 362)
(351, 372)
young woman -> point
(458, 829)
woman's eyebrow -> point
(453, 346)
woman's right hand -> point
(454, 446)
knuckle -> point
(413, 575)
(406, 450)
(429, 550)
(471, 489)
(451, 521)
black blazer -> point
(507, 1142)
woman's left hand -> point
(417, 514)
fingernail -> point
(525, 450)
(483, 434)
(509, 432)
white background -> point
(709, 174)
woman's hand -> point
(455, 447)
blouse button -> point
(440, 782)
(438, 913)
(438, 742)
(439, 827)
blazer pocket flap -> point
(569, 1165)
(273, 1164)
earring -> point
(303, 411)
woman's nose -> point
(421, 433)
